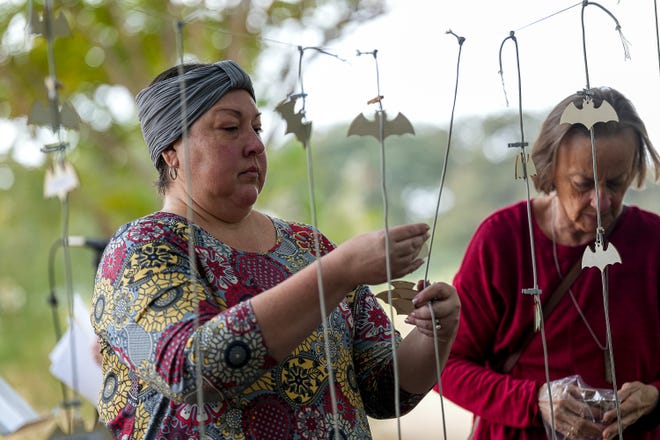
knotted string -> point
(624, 42)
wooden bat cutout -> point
(294, 120)
(362, 126)
(402, 294)
(59, 26)
(519, 172)
(39, 115)
(588, 115)
(600, 257)
(60, 180)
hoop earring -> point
(173, 173)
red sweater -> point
(496, 315)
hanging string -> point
(624, 42)
(52, 300)
(380, 116)
(58, 149)
(460, 40)
(599, 229)
(534, 291)
(317, 245)
(657, 30)
(192, 261)
(547, 17)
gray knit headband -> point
(160, 107)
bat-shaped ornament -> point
(404, 291)
(588, 115)
(599, 256)
(294, 120)
(528, 170)
(402, 294)
(59, 27)
(362, 126)
(40, 115)
(60, 180)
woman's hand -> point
(636, 400)
(574, 418)
(444, 301)
(424, 351)
(363, 258)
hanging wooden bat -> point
(60, 180)
(294, 120)
(402, 294)
(362, 126)
(519, 172)
(39, 115)
(588, 115)
(59, 27)
(600, 257)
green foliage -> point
(124, 43)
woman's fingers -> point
(437, 309)
(406, 243)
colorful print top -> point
(166, 327)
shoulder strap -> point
(550, 305)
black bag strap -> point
(550, 305)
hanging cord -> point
(192, 261)
(535, 291)
(599, 229)
(657, 30)
(52, 300)
(547, 17)
(624, 42)
(380, 116)
(58, 148)
(603, 278)
(296, 124)
(317, 249)
(460, 40)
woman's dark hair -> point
(553, 133)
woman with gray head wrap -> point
(160, 106)
(239, 323)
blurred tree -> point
(114, 48)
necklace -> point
(603, 347)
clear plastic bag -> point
(598, 401)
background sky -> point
(417, 59)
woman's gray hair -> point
(552, 134)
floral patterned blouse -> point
(166, 328)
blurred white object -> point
(14, 411)
(87, 377)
